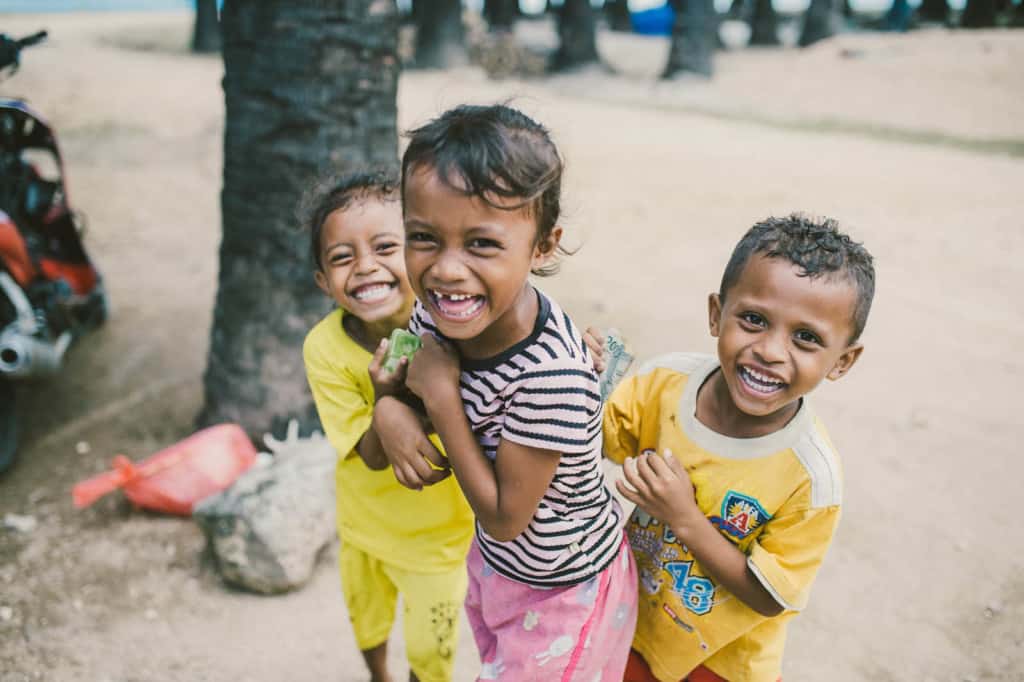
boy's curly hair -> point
(817, 247)
(339, 193)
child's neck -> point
(717, 411)
(369, 334)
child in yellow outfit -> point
(393, 540)
(737, 485)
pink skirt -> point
(580, 633)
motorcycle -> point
(50, 291)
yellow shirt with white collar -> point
(775, 497)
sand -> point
(915, 142)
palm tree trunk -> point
(206, 33)
(933, 10)
(979, 14)
(501, 15)
(309, 87)
(440, 38)
(617, 14)
(577, 33)
(693, 45)
(822, 20)
(764, 27)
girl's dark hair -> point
(339, 193)
(491, 152)
(818, 248)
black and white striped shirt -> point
(543, 393)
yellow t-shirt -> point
(775, 497)
(428, 531)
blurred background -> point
(188, 134)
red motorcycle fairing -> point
(14, 253)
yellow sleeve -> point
(622, 415)
(345, 412)
(789, 551)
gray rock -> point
(267, 529)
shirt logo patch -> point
(741, 515)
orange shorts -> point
(637, 670)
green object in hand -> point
(402, 344)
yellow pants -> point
(431, 602)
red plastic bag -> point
(177, 477)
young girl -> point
(508, 383)
(393, 540)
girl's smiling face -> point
(362, 267)
(468, 263)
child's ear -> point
(714, 314)
(847, 360)
(321, 281)
(546, 247)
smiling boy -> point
(737, 486)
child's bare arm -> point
(504, 497)
(662, 488)
(404, 443)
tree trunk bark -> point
(577, 34)
(440, 39)
(979, 14)
(206, 33)
(822, 20)
(692, 47)
(309, 88)
(764, 26)
(501, 15)
(617, 13)
(933, 10)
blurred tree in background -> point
(206, 34)
(440, 37)
(693, 39)
(309, 88)
(577, 37)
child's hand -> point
(660, 486)
(385, 382)
(594, 340)
(414, 459)
(435, 367)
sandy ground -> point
(914, 142)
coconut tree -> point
(440, 37)
(823, 19)
(764, 24)
(933, 10)
(693, 39)
(206, 32)
(979, 14)
(309, 88)
(577, 37)
(501, 15)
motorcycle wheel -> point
(8, 426)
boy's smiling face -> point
(362, 266)
(779, 334)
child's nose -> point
(366, 263)
(770, 347)
(449, 267)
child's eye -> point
(804, 336)
(753, 319)
(422, 238)
(340, 258)
(387, 248)
(483, 244)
